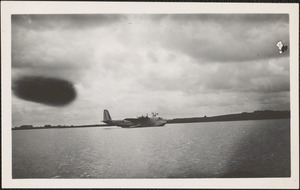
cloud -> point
(177, 65)
(229, 18)
(64, 21)
(262, 77)
(52, 53)
(226, 38)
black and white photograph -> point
(152, 96)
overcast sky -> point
(176, 65)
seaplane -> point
(143, 121)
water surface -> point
(197, 150)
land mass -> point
(256, 115)
(23, 127)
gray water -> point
(197, 150)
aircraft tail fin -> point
(106, 116)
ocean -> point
(233, 149)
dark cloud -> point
(64, 21)
(226, 38)
(227, 18)
(49, 91)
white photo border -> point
(34, 7)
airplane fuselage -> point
(120, 123)
(129, 124)
(134, 122)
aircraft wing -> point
(137, 122)
(132, 119)
(139, 119)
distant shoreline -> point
(256, 115)
(61, 127)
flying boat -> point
(143, 121)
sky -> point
(179, 65)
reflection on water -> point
(216, 149)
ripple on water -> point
(220, 149)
